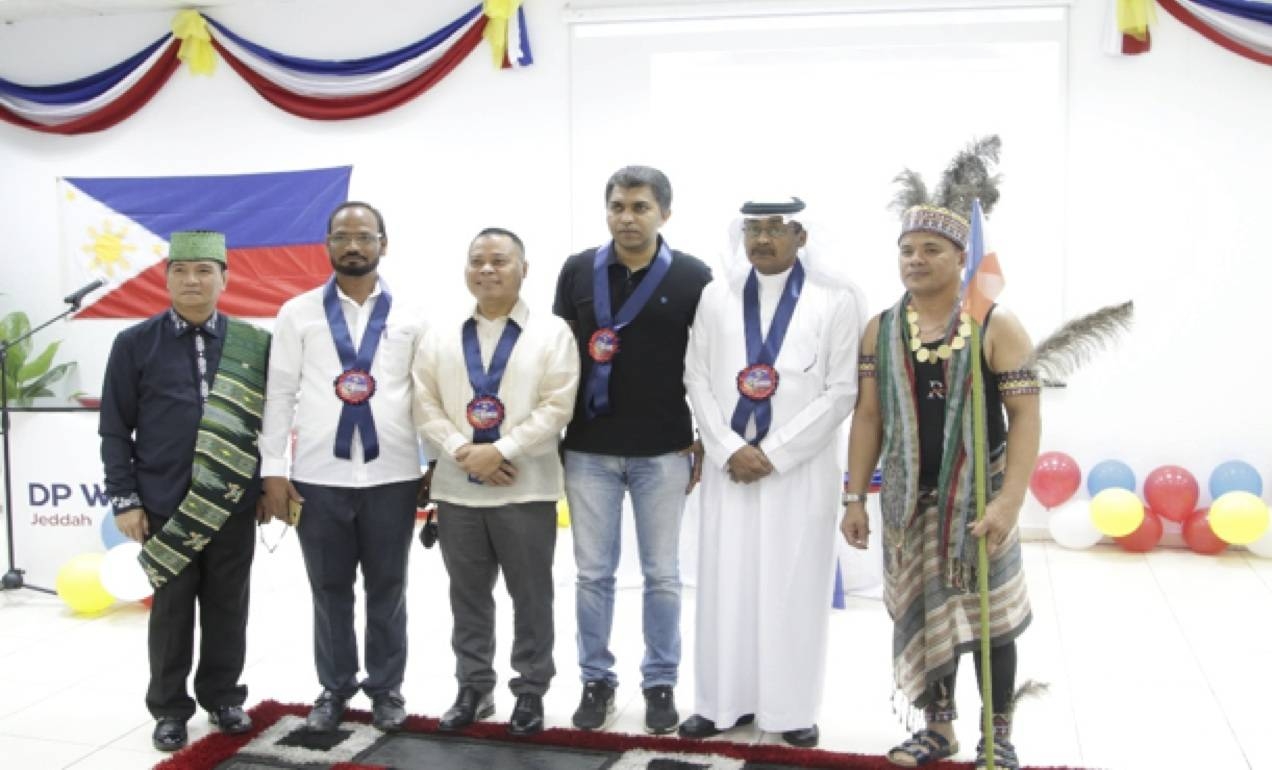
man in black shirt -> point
(630, 303)
(187, 378)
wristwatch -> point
(854, 497)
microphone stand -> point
(13, 579)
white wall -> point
(1165, 165)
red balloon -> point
(148, 601)
(1146, 537)
(1055, 478)
(1199, 536)
(1172, 492)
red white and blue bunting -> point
(310, 88)
(1242, 26)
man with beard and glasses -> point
(340, 378)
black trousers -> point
(342, 528)
(217, 582)
(520, 539)
(1002, 669)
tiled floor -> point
(1157, 661)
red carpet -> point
(207, 753)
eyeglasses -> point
(362, 239)
(772, 230)
(271, 547)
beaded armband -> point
(1019, 382)
(866, 366)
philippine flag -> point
(984, 279)
(117, 229)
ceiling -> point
(21, 10)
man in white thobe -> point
(771, 372)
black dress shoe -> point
(699, 727)
(170, 734)
(325, 716)
(230, 719)
(470, 706)
(804, 738)
(527, 715)
(388, 711)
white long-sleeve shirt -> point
(300, 394)
(537, 391)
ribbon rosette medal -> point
(603, 345)
(758, 382)
(485, 412)
(355, 386)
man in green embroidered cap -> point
(180, 414)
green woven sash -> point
(900, 452)
(225, 455)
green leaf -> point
(12, 326)
(29, 389)
(40, 364)
(24, 379)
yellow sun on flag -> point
(108, 248)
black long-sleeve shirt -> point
(152, 404)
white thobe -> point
(766, 549)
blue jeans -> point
(594, 486)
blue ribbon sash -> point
(605, 342)
(355, 386)
(485, 411)
(758, 380)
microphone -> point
(76, 297)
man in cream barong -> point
(771, 374)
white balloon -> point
(1070, 525)
(122, 575)
(1262, 546)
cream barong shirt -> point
(537, 391)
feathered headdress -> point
(946, 212)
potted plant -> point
(28, 377)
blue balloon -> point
(1235, 476)
(1110, 474)
(111, 536)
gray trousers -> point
(520, 539)
(340, 529)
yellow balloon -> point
(79, 584)
(1116, 512)
(563, 513)
(1239, 518)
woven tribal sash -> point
(225, 455)
(900, 452)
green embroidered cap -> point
(197, 246)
